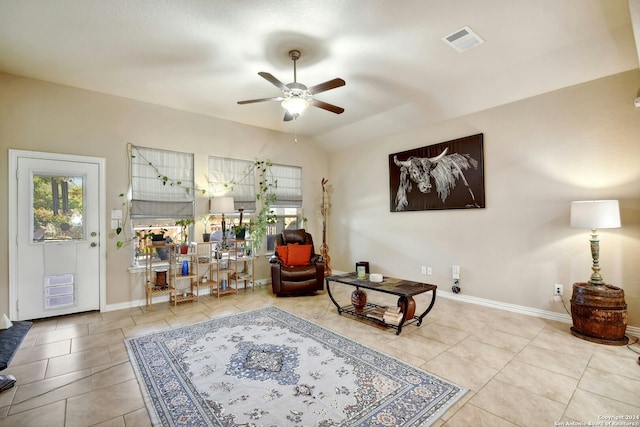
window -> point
(289, 189)
(223, 171)
(162, 191)
(288, 204)
(161, 183)
(57, 208)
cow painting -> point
(434, 179)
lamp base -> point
(599, 313)
(622, 341)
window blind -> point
(223, 171)
(289, 189)
(151, 196)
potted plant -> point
(184, 224)
(240, 230)
(206, 234)
(157, 239)
(153, 238)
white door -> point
(57, 260)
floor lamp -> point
(598, 310)
(222, 205)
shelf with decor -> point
(167, 277)
(216, 268)
(242, 263)
(184, 267)
(157, 275)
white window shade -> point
(151, 195)
(289, 188)
(235, 178)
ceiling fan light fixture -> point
(296, 96)
(295, 105)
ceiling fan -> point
(296, 97)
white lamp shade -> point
(222, 205)
(595, 214)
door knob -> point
(94, 244)
(94, 234)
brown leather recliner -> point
(301, 279)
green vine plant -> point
(164, 178)
(121, 229)
(266, 196)
(140, 234)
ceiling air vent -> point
(463, 39)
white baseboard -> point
(164, 298)
(545, 314)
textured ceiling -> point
(203, 56)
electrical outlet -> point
(423, 270)
(455, 272)
(558, 290)
(429, 271)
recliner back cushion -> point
(294, 236)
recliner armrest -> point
(316, 258)
(275, 259)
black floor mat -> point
(10, 340)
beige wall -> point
(40, 116)
(541, 153)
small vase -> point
(410, 309)
(161, 278)
(358, 300)
(185, 267)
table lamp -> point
(222, 205)
(598, 310)
(595, 214)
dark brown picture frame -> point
(447, 175)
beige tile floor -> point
(520, 370)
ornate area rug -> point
(271, 368)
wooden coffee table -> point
(404, 289)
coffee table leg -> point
(433, 300)
(333, 299)
(404, 303)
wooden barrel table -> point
(599, 313)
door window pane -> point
(57, 208)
